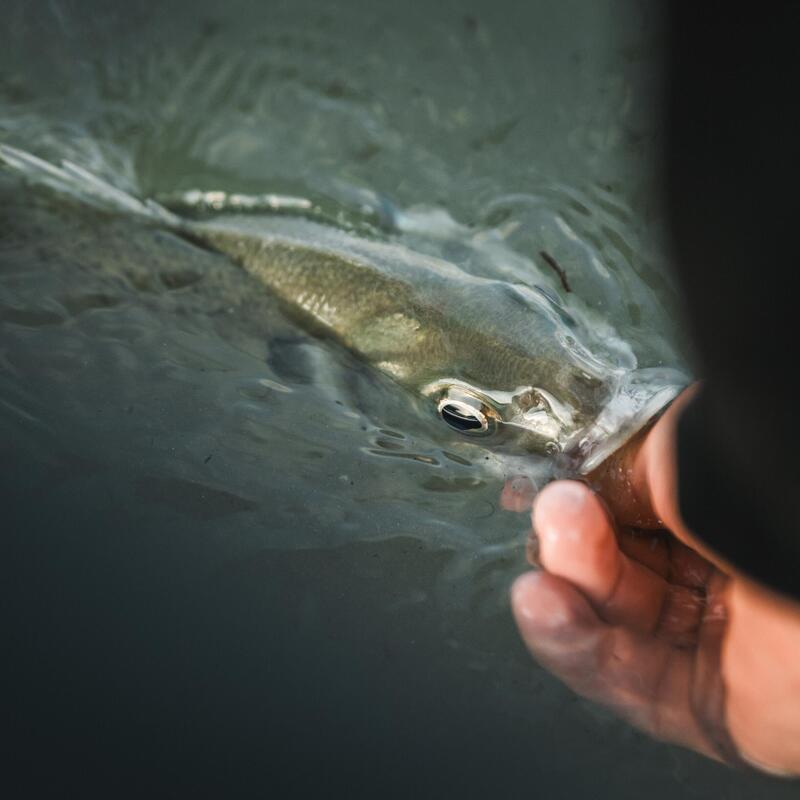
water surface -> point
(228, 537)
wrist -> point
(761, 680)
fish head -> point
(527, 418)
(516, 369)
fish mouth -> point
(638, 400)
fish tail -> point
(75, 181)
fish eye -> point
(463, 421)
(466, 416)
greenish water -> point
(208, 504)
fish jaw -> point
(641, 397)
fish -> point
(498, 361)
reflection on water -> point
(282, 503)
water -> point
(234, 539)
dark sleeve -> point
(731, 183)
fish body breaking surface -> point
(495, 358)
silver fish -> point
(496, 359)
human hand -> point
(652, 624)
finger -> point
(518, 494)
(622, 481)
(642, 678)
(708, 696)
(686, 566)
(649, 548)
(578, 543)
(663, 554)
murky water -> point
(209, 504)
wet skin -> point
(629, 609)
